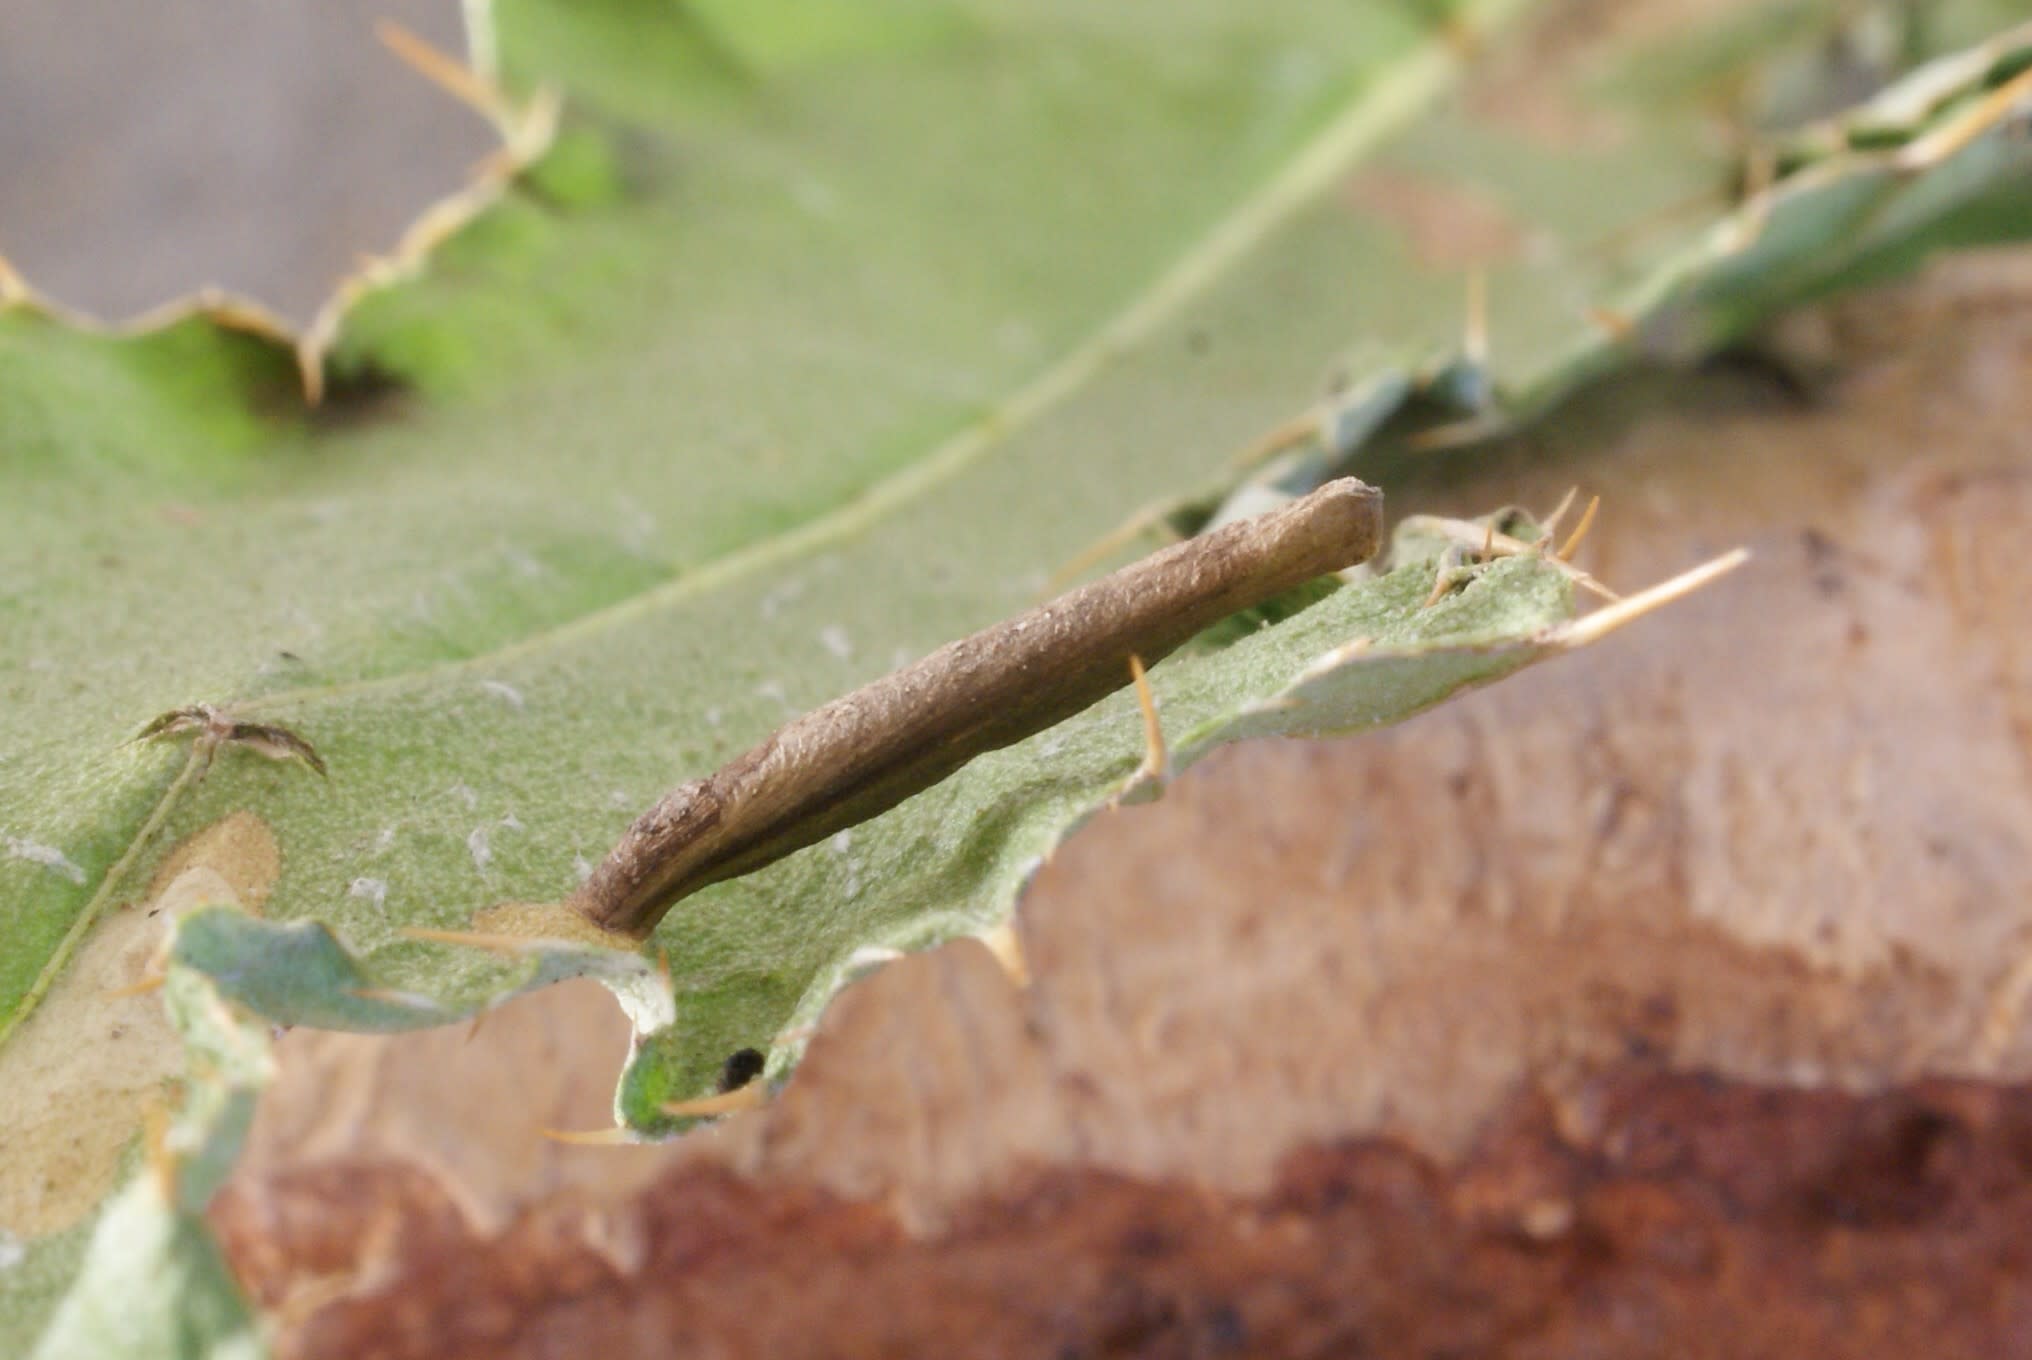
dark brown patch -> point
(1735, 1220)
(741, 1067)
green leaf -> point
(642, 428)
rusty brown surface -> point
(463, 1106)
(1641, 1214)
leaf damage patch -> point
(100, 1047)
